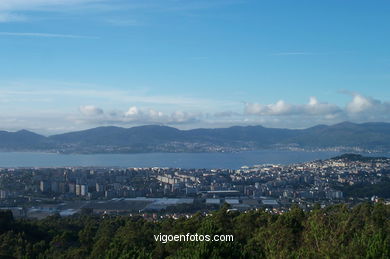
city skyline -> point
(70, 65)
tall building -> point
(99, 187)
(83, 189)
(78, 189)
(45, 186)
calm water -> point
(179, 160)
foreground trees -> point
(333, 232)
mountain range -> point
(154, 138)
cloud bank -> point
(279, 114)
(359, 109)
(313, 107)
(136, 115)
(66, 110)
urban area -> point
(173, 192)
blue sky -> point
(75, 64)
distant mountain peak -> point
(25, 132)
(345, 123)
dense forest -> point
(332, 232)
(361, 190)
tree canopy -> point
(332, 232)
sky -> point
(68, 65)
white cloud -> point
(135, 115)
(179, 117)
(314, 107)
(361, 103)
(363, 108)
(133, 111)
(360, 109)
(278, 108)
(153, 116)
(90, 110)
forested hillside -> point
(332, 232)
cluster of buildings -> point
(275, 187)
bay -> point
(174, 160)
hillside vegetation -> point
(332, 232)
